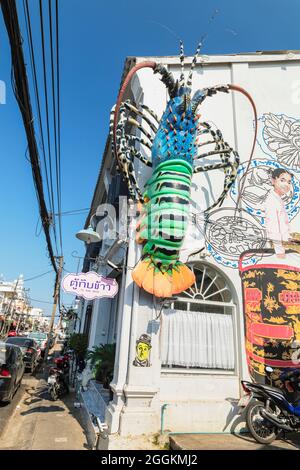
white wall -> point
(203, 401)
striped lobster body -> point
(162, 228)
(164, 222)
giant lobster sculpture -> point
(175, 144)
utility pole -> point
(56, 295)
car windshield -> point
(37, 335)
(20, 341)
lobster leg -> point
(213, 166)
(229, 178)
(215, 152)
(223, 149)
(137, 111)
(124, 156)
(126, 145)
(200, 95)
(152, 113)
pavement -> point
(8, 410)
(38, 423)
(223, 441)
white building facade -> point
(185, 389)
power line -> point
(46, 104)
(21, 90)
(37, 98)
(40, 301)
(57, 164)
(58, 107)
(37, 276)
(74, 212)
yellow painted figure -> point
(143, 346)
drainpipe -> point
(162, 416)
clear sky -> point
(95, 38)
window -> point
(197, 330)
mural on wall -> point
(271, 285)
(280, 139)
(229, 232)
(271, 298)
(143, 347)
(257, 182)
(177, 153)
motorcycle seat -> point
(291, 397)
(271, 388)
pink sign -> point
(89, 285)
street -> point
(33, 422)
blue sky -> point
(95, 38)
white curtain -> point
(195, 339)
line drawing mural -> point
(229, 232)
(281, 139)
(257, 186)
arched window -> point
(210, 291)
(198, 330)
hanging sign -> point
(89, 285)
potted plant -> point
(102, 359)
(79, 343)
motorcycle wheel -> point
(260, 428)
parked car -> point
(12, 333)
(40, 338)
(11, 370)
(30, 349)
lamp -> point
(89, 235)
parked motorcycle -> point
(272, 410)
(59, 377)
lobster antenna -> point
(181, 80)
(189, 80)
(213, 16)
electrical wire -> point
(38, 276)
(57, 163)
(58, 109)
(74, 212)
(21, 91)
(46, 104)
(37, 98)
(40, 301)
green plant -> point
(102, 359)
(79, 343)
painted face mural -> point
(258, 183)
(143, 347)
(282, 184)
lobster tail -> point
(156, 281)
